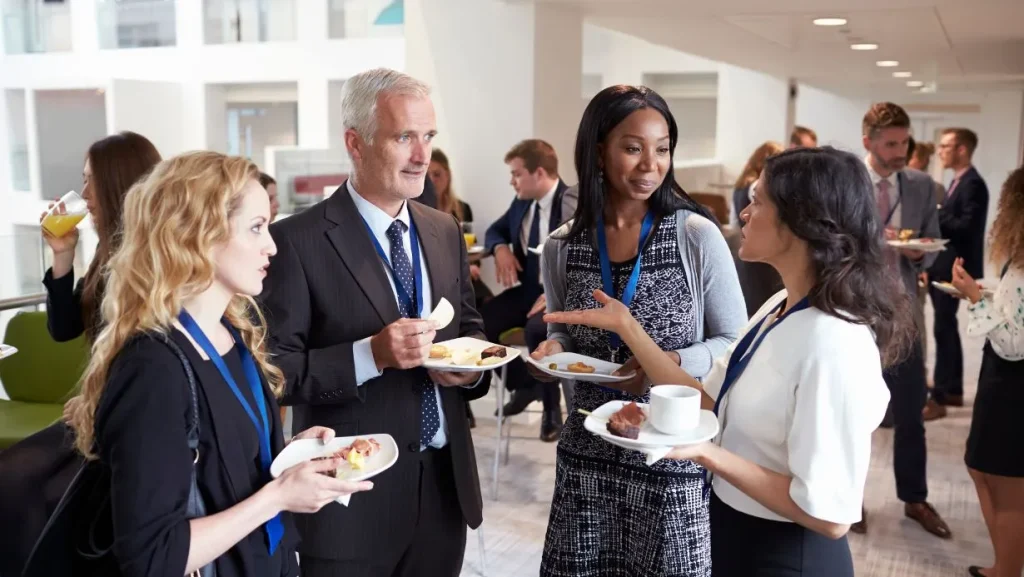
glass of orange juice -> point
(65, 215)
(468, 234)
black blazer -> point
(140, 432)
(506, 229)
(64, 318)
(962, 220)
(326, 290)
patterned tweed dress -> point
(611, 514)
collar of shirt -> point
(960, 173)
(545, 201)
(378, 220)
(876, 178)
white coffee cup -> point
(675, 409)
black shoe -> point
(551, 426)
(975, 571)
(469, 415)
(521, 398)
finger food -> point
(440, 352)
(355, 456)
(495, 351)
(488, 361)
(580, 368)
(626, 422)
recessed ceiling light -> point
(902, 74)
(887, 63)
(915, 83)
(865, 46)
(830, 21)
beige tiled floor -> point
(514, 525)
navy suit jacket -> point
(962, 220)
(506, 229)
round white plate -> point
(465, 354)
(923, 245)
(304, 450)
(6, 351)
(476, 249)
(952, 291)
(602, 373)
(650, 438)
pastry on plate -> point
(626, 422)
(906, 234)
(580, 368)
(439, 352)
(355, 455)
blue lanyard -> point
(740, 358)
(273, 527)
(417, 275)
(606, 268)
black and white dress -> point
(612, 514)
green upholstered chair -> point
(39, 378)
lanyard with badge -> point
(274, 527)
(742, 354)
(414, 302)
(629, 291)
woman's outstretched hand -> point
(612, 316)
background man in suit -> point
(962, 221)
(905, 200)
(803, 137)
(543, 202)
(346, 299)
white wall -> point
(155, 110)
(623, 59)
(67, 123)
(835, 118)
(751, 110)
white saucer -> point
(650, 438)
(603, 370)
(304, 450)
(468, 346)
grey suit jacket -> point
(918, 212)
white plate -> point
(650, 438)
(6, 351)
(948, 288)
(443, 313)
(602, 373)
(464, 348)
(477, 249)
(933, 245)
(304, 450)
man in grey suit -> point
(905, 200)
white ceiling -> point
(961, 45)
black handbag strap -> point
(192, 419)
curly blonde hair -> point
(173, 220)
(1007, 234)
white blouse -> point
(1001, 316)
(805, 407)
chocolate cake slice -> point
(495, 351)
(626, 422)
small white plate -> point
(6, 351)
(602, 369)
(465, 354)
(443, 313)
(304, 450)
(650, 438)
(921, 244)
(952, 291)
(476, 249)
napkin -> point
(344, 499)
(655, 454)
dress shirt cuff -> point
(479, 380)
(366, 365)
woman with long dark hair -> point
(35, 472)
(800, 393)
(636, 232)
(994, 457)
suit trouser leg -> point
(504, 312)
(949, 356)
(909, 393)
(439, 544)
(536, 333)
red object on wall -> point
(315, 184)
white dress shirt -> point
(894, 195)
(362, 353)
(544, 206)
(805, 407)
(1000, 317)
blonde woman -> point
(195, 249)
(755, 164)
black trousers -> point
(746, 546)
(909, 392)
(949, 355)
(439, 542)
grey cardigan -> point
(708, 265)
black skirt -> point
(997, 431)
(746, 546)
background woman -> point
(195, 250)
(612, 514)
(753, 168)
(35, 472)
(994, 457)
(800, 394)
